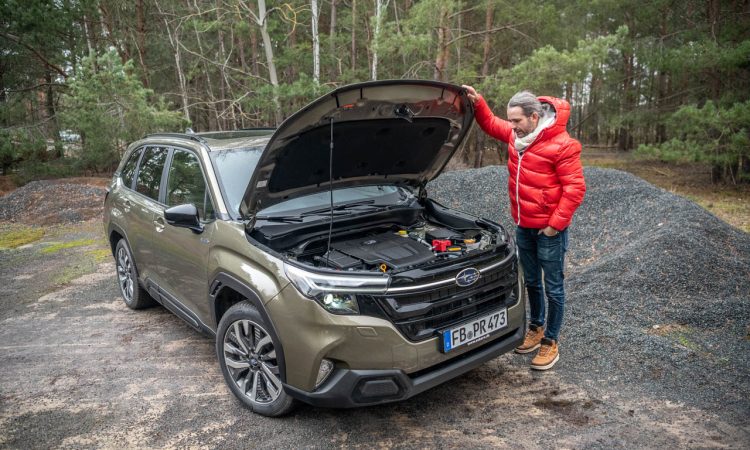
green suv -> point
(312, 253)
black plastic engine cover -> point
(395, 251)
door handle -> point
(159, 224)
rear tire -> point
(134, 296)
(247, 356)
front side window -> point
(128, 170)
(185, 184)
(149, 174)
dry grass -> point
(731, 203)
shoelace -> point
(544, 350)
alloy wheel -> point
(125, 274)
(250, 358)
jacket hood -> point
(562, 114)
(391, 132)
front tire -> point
(134, 296)
(247, 356)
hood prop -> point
(330, 190)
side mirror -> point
(185, 216)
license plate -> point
(474, 331)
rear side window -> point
(149, 174)
(186, 184)
(128, 170)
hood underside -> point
(395, 132)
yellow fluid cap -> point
(402, 232)
(470, 241)
(454, 249)
(383, 268)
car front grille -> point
(419, 315)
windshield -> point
(234, 168)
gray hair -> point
(528, 103)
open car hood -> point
(391, 132)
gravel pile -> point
(51, 202)
(658, 289)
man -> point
(546, 186)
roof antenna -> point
(330, 189)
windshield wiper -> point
(338, 208)
(337, 211)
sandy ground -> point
(81, 370)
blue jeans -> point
(541, 254)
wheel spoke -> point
(228, 347)
(244, 384)
(254, 386)
(239, 337)
(262, 343)
(237, 364)
(273, 383)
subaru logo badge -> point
(467, 277)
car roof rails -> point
(192, 137)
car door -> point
(181, 254)
(143, 204)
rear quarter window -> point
(150, 172)
(128, 170)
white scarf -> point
(546, 120)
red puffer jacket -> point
(545, 183)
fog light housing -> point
(326, 368)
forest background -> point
(80, 79)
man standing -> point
(546, 186)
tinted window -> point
(149, 175)
(128, 170)
(185, 184)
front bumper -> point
(348, 388)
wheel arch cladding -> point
(226, 291)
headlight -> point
(336, 293)
(339, 303)
(311, 284)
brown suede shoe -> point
(547, 356)
(532, 341)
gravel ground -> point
(657, 288)
(654, 349)
(51, 202)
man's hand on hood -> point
(471, 93)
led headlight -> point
(339, 303)
(336, 293)
(311, 284)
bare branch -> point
(41, 57)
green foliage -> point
(713, 134)
(109, 107)
(547, 70)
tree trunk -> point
(140, 41)
(623, 134)
(51, 114)
(332, 39)
(315, 42)
(376, 35)
(443, 50)
(488, 18)
(174, 41)
(354, 34)
(268, 48)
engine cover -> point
(395, 251)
